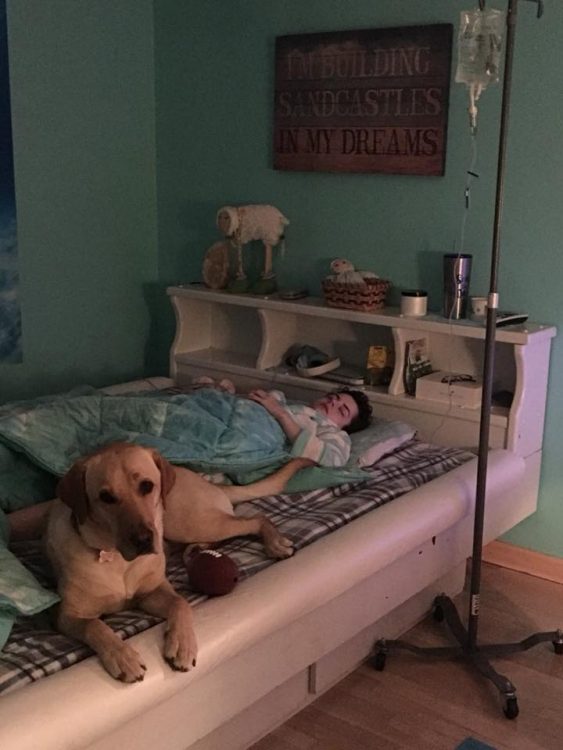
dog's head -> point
(119, 491)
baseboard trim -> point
(524, 560)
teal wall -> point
(82, 81)
(214, 84)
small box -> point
(379, 368)
(450, 388)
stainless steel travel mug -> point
(457, 273)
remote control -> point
(510, 318)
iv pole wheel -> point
(380, 656)
(379, 661)
(511, 709)
(438, 613)
(558, 641)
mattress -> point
(35, 650)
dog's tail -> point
(271, 485)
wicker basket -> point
(370, 295)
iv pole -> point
(443, 607)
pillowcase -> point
(20, 592)
(377, 440)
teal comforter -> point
(207, 430)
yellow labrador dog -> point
(105, 540)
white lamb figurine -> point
(344, 272)
(242, 224)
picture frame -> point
(373, 100)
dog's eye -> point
(107, 497)
(146, 487)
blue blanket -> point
(207, 430)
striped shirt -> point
(320, 439)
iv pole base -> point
(443, 610)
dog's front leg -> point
(180, 646)
(119, 658)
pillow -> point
(20, 593)
(377, 440)
(368, 446)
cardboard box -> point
(448, 388)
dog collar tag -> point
(105, 556)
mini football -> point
(211, 572)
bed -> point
(289, 630)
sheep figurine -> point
(242, 224)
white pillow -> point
(379, 439)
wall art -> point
(363, 101)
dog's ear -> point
(71, 489)
(167, 474)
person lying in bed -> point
(319, 431)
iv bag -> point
(479, 47)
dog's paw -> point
(279, 547)
(124, 663)
(180, 649)
(275, 544)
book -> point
(345, 374)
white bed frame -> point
(287, 634)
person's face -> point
(340, 408)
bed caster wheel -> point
(378, 661)
(438, 613)
(511, 710)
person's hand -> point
(265, 399)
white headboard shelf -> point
(245, 337)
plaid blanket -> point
(36, 650)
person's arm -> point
(281, 415)
(327, 444)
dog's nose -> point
(142, 541)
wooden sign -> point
(363, 101)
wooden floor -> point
(421, 704)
